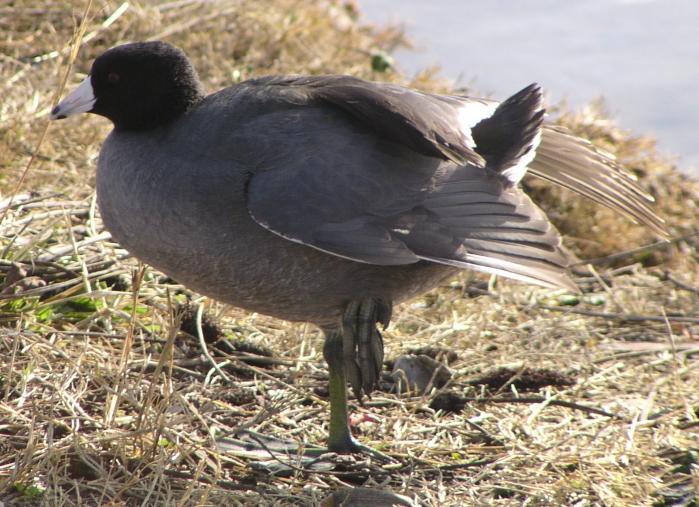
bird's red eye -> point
(113, 77)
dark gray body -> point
(190, 219)
(291, 196)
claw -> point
(377, 353)
(366, 330)
(362, 344)
(384, 312)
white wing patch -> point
(472, 112)
(515, 173)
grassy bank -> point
(104, 402)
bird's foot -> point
(348, 445)
(284, 457)
(275, 456)
(362, 344)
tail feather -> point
(507, 140)
(562, 158)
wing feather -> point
(385, 180)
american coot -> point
(328, 199)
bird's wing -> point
(469, 218)
(337, 186)
(577, 165)
(444, 126)
(433, 125)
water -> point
(642, 56)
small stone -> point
(415, 373)
(448, 402)
(365, 497)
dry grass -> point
(103, 402)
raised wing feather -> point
(382, 176)
(428, 124)
(577, 165)
(343, 190)
(441, 126)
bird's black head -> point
(138, 86)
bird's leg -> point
(357, 347)
(357, 350)
(340, 438)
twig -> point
(256, 359)
(542, 399)
(47, 214)
(20, 201)
(687, 425)
(187, 25)
(641, 249)
(273, 455)
(165, 357)
(230, 485)
(469, 464)
(621, 316)
(11, 243)
(204, 349)
(109, 336)
(66, 249)
(487, 436)
(53, 287)
(48, 264)
(686, 351)
(681, 284)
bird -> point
(329, 199)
